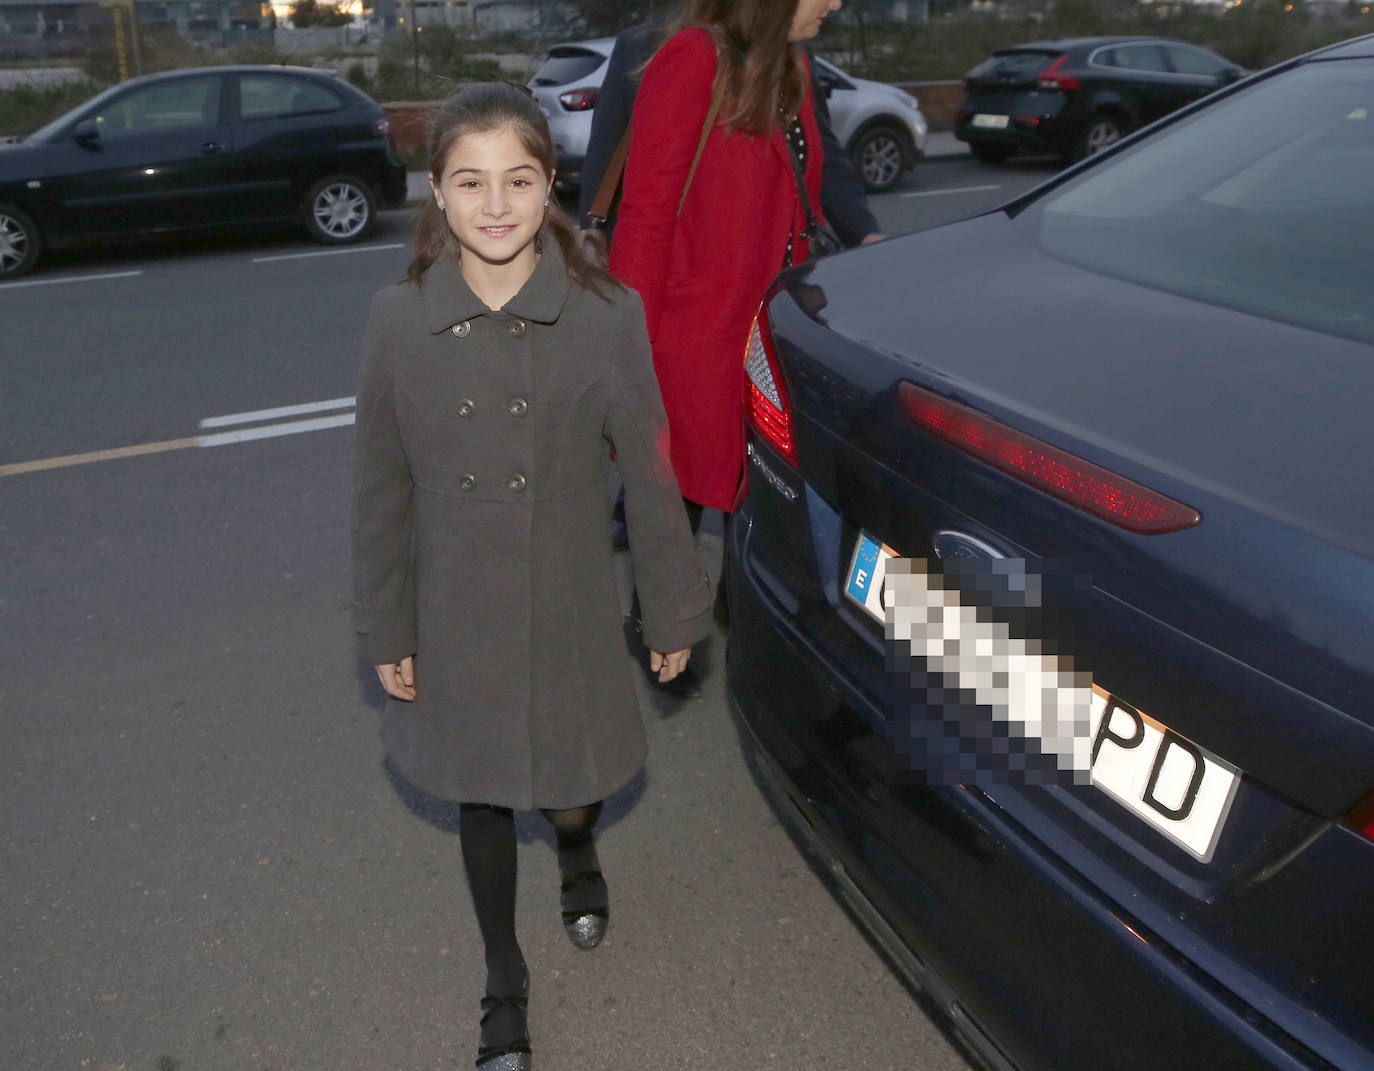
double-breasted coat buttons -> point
(462, 330)
(467, 481)
(517, 328)
(517, 483)
(518, 407)
(467, 407)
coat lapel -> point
(449, 300)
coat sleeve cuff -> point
(692, 622)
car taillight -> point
(578, 100)
(1050, 78)
(380, 127)
(1361, 819)
(1080, 483)
(765, 398)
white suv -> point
(880, 126)
(566, 88)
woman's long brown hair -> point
(483, 108)
(759, 71)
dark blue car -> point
(1052, 593)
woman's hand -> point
(398, 678)
(668, 666)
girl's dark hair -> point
(759, 71)
(484, 108)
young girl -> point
(493, 379)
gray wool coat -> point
(481, 540)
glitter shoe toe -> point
(586, 926)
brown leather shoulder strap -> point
(706, 128)
(615, 170)
(610, 181)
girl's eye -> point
(470, 184)
(520, 183)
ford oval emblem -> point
(951, 544)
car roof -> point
(596, 44)
(1066, 44)
(1352, 49)
(235, 68)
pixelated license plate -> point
(991, 122)
(1180, 789)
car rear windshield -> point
(566, 65)
(1021, 65)
(1262, 202)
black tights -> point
(488, 842)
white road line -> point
(952, 189)
(270, 431)
(273, 414)
(330, 252)
(70, 279)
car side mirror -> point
(86, 133)
(1229, 75)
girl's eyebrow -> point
(479, 171)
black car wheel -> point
(1102, 130)
(990, 154)
(339, 209)
(878, 156)
(20, 242)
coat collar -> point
(449, 300)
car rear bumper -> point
(1033, 965)
(391, 186)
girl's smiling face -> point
(492, 192)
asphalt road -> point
(204, 863)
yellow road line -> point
(19, 467)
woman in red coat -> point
(702, 272)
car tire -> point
(1103, 129)
(339, 209)
(20, 242)
(990, 154)
(879, 157)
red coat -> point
(703, 275)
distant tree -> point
(313, 13)
(602, 18)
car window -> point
(271, 96)
(182, 104)
(566, 65)
(1144, 57)
(1187, 60)
(1019, 66)
(1260, 203)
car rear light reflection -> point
(1361, 819)
(578, 100)
(1050, 78)
(1080, 483)
(380, 128)
(765, 397)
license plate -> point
(1178, 788)
(991, 122)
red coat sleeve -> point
(673, 100)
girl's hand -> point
(398, 678)
(668, 666)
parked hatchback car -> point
(1083, 484)
(1074, 96)
(566, 87)
(198, 149)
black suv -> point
(201, 148)
(1074, 96)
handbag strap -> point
(811, 222)
(610, 182)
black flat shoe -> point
(586, 926)
(512, 1055)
